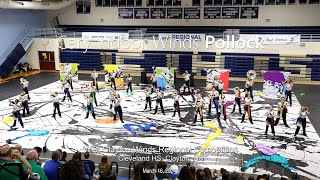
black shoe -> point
(173, 116)
(305, 135)
(287, 126)
(22, 126)
(242, 121)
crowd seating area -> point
(15, 166)
(301, 68)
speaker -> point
(143, 76)
(11, 61)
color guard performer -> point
(113, 81)
(69, 79)
(106, 76)
(282, 112)
(154, 80)
(90, 108)
(247, 108)
(160, 95)
(186, 82)
(56, 105)
(117, 108)
(302, 121)
(16, 106)
(25, 85)
(222, 107)
(288, 93)
(176, 105)
(112, 97)
(25, 103)
(248, 87)
(94, 77)
(66, 86)
(93, 93)
(199, 103)
(214, 99)
(129, 83)
(237, 99)
(220, 87)
(270, 121)
(148, 98)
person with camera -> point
(270, 121)
(282, 112)
(247, 108)
(237, 99)
(176, 105)
(148, 98)
(302, 121)
(56, 105)
(66, 86)
(199, 103)
(7, 154)
(25, 103)
(160, 95)
(25, 85)
(94, 77)
(117, 108)
(90, 108)
(16, 107)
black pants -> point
(238, 101)
(284, 117)
(249, 90)
(199, 110)
(289, 95)
(129, 87)
(176, 108)
(187, 84)
(67, 93)
(214, 103)
(95, 83)
(118, 110)
(90, 110)
(113, 83)
(159, 101)
(220, 91)
(70, 83)
(224, 114)
(25, 89)
(16, 116)
(56, 106)
(270, 120)
(25, 105)
(304, 124)
(246, 108)
(148, 101)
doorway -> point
(46, 60)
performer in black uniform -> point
(118, 108)
(237, 99)
(148, 98)
(282, 112)
(270, 121)
(302, 121)
(16, 106)
(56, 104)
(160, 95)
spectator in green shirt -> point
(12, 172)
(32, 157)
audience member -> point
(200, 174)
(263, 177)
(139, 173)
(109, 175)
(7, 155)
(19, 148)
(51, 166)
(251, 178)
(32, 157)
(88, 163)
(193, 171)
(207, 173)
(225, 174)
(161, 170)
(236, 176)
(64, 156)
(173, 172)
(215, 175)
(185, 174)
(103, 166)
(72, 170)
(87, 171)
(39, 151)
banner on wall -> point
(109, 69)
(165, 77)
(104, 36)
(222, 74)
(182, 37)
(68, 68)
(273, 81)
(271, 38)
